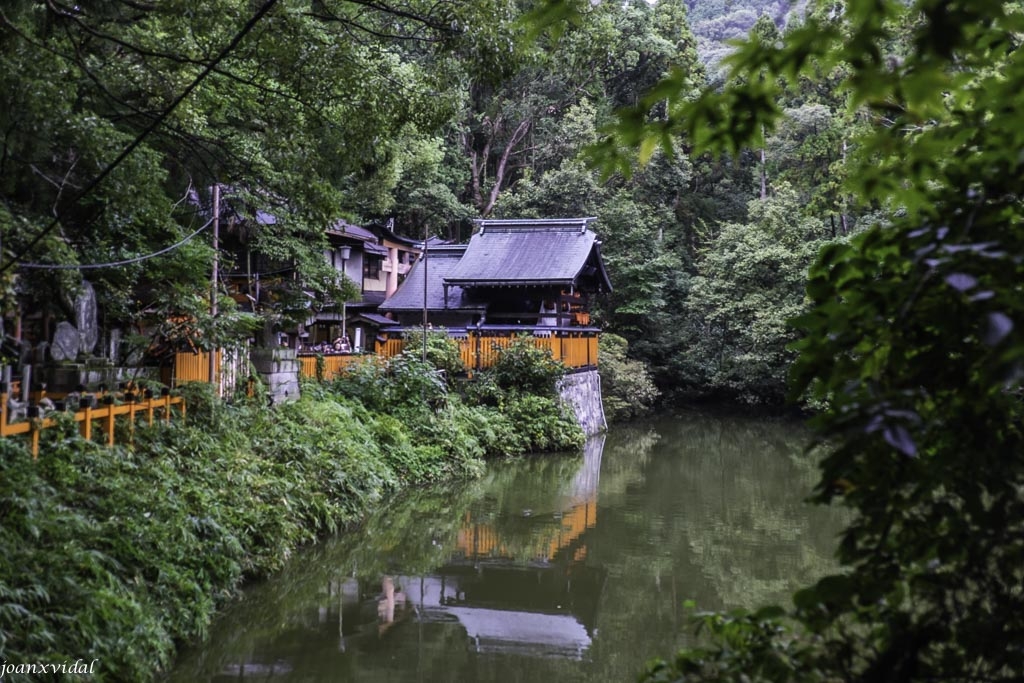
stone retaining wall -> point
(582, 391)
(279, 368)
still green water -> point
(567, 567)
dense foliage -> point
(118, 117)
(421, 112)
(911, 343)
(121, 553)
(627, 389)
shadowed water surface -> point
(567, 567)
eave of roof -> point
(342, 228)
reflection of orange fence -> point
(478, 541)
(133, 405)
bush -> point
(442, 352)
(122, 553)
(626, 386)
(544, 423)
(523, 367)
(404, 384)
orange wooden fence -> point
(577, 350)
(478, 350)
(128, 403)
(333, 365)
(194, 367)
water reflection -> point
(572, 567)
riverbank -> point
(119, 555)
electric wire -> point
(146, 132)
(114, 264)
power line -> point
(113, 264)
(146, 132)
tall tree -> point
(913, 343)
(112, 111)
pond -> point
(556, 567)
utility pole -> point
(425, 252)
(213, 284)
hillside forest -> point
(118, 116)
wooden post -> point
(109, 401)
(86, 405)
(3, 411)
(214, 379)
(129, 397)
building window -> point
(371, 266)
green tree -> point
(912, 338)
(117, 116)
(750, 282)
(627, 390)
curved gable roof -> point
(528, 252)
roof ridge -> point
(508, 225)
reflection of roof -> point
(537, 629)
(535, 633)
(530, 252)
(439, 262)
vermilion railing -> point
(105, 407)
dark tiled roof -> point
(378, 320)
(526, 252)
(440, 262)
(343, 228)
(367, 300)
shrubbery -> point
(626, 385)
(525, 368)
(122, 552)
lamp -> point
(345, 252)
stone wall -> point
(279, 368)
(582, 391)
